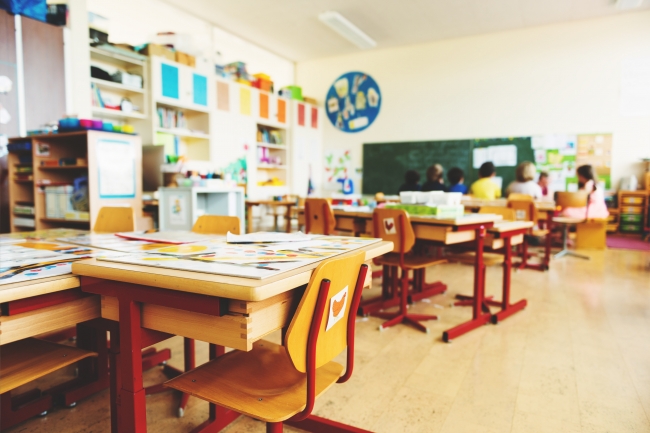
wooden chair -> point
(114, 220)
(507, 213)
(24, 361)
(217, 225)
(526, 210)
(205, 224)
(319, 217)
(275, 383)
(281, 211)
(591, 234)
(519, 196)
(394, 225)
(565, 200)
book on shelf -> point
(24, 222)
(24, 169)
(171, 119)
(96, 94)
(24, 209)
(24, 176)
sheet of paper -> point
(256, 261)
(635, 86)
(116, 168)
(223, 96)
(504, 155)
(245, 101)
(498, 180)
(479, 156)
(168, 237)
(262, 237)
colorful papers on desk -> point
(166, 237)
(32, 260)
(39, 235)
(267, 237)
(112, 242)
(256, 261)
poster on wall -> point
(596, 150)
(555, 154)
(353, 102)
(116, 168)
(338, 166)
(178, 210)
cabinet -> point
(180, 207)
(180, 85)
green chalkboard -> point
(384, 164)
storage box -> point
(444, 198)
(77, 215)
(158, 50)
(632, 200)
(185, 59)
(127, 79)
(293, 92)
(631, 209)
(634, 218)
(631, 228)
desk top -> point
(467, 219)
(244, 289)
(543, 205)
(27, 289)
(508, 226)
(271, 202)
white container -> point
(408, 197)
(57, 201)
(446, 198)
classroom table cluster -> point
(119, 292)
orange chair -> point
(564, 200)
(205, 224)
(526, 210)
(279, 384)
(319, 217)
(114, 220)
(394, 225)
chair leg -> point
(274, 427)
(565, 246)
(402, 315)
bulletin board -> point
(596, 150)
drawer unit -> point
(631, 210)
(631, 228)
(632, 218)
(633, 200)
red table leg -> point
(388, 296)
(479, 318)
(422, 289)
(507, 309)
(22, 407)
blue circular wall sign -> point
(353, 102)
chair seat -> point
(410, 261)
(469, 258)
(262, 383)
(567, 220)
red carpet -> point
(627, 243)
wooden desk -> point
(475, 204)
(250, 204)
(152, 304)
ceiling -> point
(291, 29)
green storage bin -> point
(631, 228)
(633, 218)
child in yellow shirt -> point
(485, 188)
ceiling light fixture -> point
(628, 4)
(345, 28)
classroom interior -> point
(345, 217)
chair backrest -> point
(525, 210)
(394, 225)
(319, 217)
(507, 213)
(335, 286)
(571, 199)
(520, 196)
(114, 219)
(217, 225)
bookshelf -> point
(34, 205)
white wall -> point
(561, 78)
(137, 21)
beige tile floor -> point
(576, 360)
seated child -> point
(412, 182)
(435, 179)
(543, 183)
(456, 178)
(524, 183)
(596, 207)
(485, 188)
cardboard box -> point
(185, 59)
(158, 50)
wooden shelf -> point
(64, 221)
(63, 167)
(273, 146)
(115, 58)
(271, 167)
(184, 133)
(105, 84)
(99, 111)
(22, 181)
(183, 107)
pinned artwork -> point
(337, 308)
(353, 102)
(389, 226)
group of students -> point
(524, 183)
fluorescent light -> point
(345, 28)
(628, 4)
